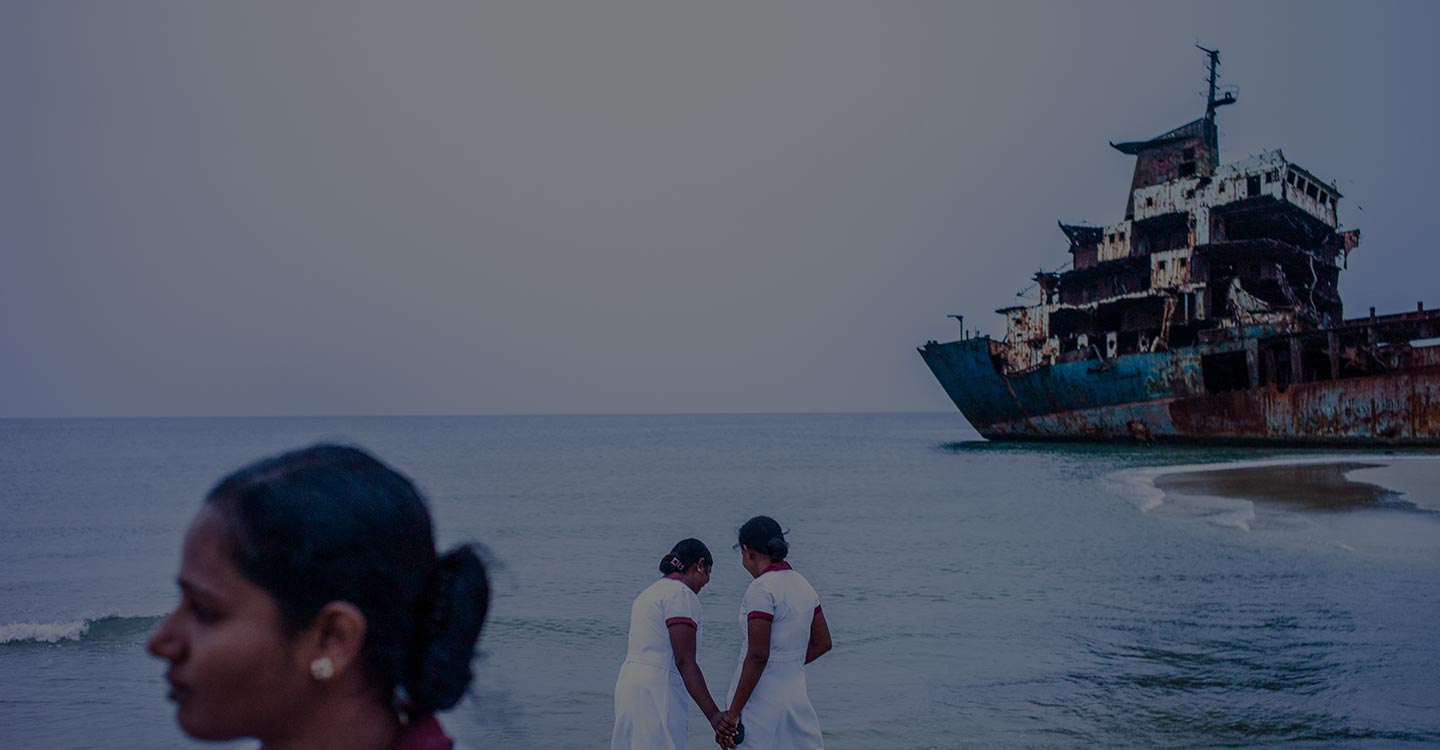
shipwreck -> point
(1210, 313)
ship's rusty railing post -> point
(1297, 367)
(1332, 347)
(1252, 362)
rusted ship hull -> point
(1360, 384)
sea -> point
(980, 595)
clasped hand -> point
(725, 724)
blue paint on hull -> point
(1161, 396)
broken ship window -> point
(1227, 371)
(1269, 177)
(1149, 201)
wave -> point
(107, 627)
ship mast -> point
(1211, 103)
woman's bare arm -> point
(682, 642)
(757, 655)
(819, 637)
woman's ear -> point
(337, 635)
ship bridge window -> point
(1311, 191)
(1270, 176)
(1225, 372)
(1252, 186)
(1187, 164)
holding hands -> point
(727, 726)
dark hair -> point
(332, 523)
(763, 534)
(684, 554)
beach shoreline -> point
(1337, 483)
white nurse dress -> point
(778, 715)
(652, 707)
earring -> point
(322, 668)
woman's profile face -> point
(232, 671)
(701, 575)
(750, 560)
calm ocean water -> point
(980, 595)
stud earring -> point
(322, 668)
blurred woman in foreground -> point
(315, 613)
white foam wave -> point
(1138, 486)
(1240, 518)
(105, 626)
(43, 632)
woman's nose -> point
(164, 640)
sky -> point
(266, 209)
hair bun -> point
(685, 553)
(763, 534)
(447, 631)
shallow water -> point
(980, 595)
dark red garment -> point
(423, 733)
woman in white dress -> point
(784, 630)
(651, 711)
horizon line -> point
(453, 415)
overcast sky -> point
(456, 208)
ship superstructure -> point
(1211, 311)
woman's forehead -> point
(205, 560)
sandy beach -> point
(1341, 484)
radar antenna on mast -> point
(1211, 103)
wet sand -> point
(1315, 486)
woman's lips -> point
(178, 690)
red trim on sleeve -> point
(758, 615)
(681, 621)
